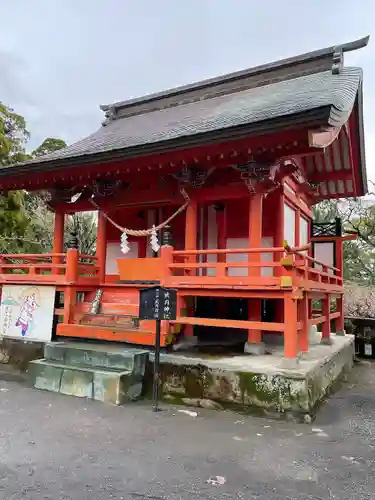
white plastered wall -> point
(114, 253)
(325, 252)
(267, 242)
(289, 225)
(234, 243)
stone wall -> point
(18, 353)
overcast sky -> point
(61, 59)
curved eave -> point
(361, 156)
(313, 118)
(339, 170)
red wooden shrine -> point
(241, 159)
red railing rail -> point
(305, 267)
(50, 267)
(287, 261)
(254, 264)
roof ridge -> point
(336, 52)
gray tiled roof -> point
(337, 91)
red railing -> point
(57, 268)
(260, 268)
(310, 270)
(184, 268)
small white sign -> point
(368, 350)
(26, 312)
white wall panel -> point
(243, 257)
(303, 231)
(289, 225)
(114, 253)
(325, 252)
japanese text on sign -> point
(158, 303)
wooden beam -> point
(337, 175)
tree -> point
(13, 136)
(49, 145)
(25, 224)
(84, 226)
(358, 217)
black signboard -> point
(158, 303)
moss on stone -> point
(273, 391)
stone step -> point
(95, 355)
(107, 385)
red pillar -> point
(58, 233)
(101, 245)
(221, 244)
(303, 317)
(339, 263)
(58, 239)
(326, 326)
(191, 226)
(290, 333)
(191, 234)
(255, 241)
(221, 231)
(279, 242)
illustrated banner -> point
(26, 312)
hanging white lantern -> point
(124, 243)
(154, 240)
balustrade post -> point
(166, 257)
(71, 274)
(71, 277)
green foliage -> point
(13, 136)
(358, 217)
(21, 229)
(84, 226)
(49, 145)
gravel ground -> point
(56, 447)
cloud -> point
(61, 59)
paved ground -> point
(56, 447)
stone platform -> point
(260, 384)
(257, 383)
(111, 374)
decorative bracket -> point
(195, 177)
(337, 61)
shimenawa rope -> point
(145, 232)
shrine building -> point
(207, 189)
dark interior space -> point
(227, 308)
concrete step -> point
(107, 385)
(94, 355)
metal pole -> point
(156, 367)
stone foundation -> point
(19, 353)
(263, 384)
(259, 384)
